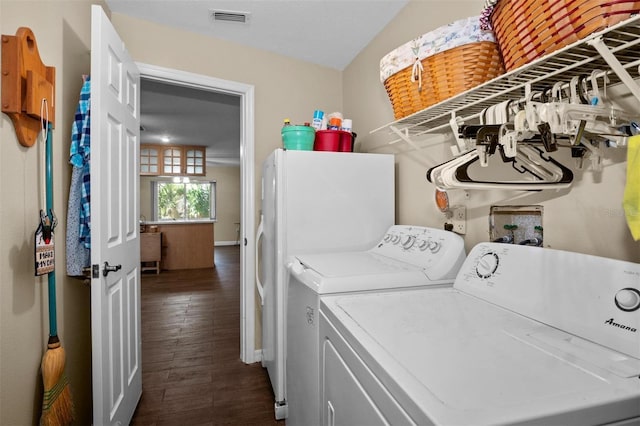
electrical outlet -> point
(459, 219)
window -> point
(184, 200)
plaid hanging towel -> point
(80, 157)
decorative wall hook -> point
(26, 84)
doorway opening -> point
(247, 200)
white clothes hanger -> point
(546, 172)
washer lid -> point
(357, 271)
(450, 358)
(330, 265)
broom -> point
(57, 406)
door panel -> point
(115, 296)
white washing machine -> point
(406, 256)
(526, 335)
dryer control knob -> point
(407, 241)
(423, 245)
(628, 299)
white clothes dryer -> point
(526, 335)
(406, 256)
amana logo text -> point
(611, 322)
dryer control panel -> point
(438, 252)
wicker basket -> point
(529, 29)
(445, 74)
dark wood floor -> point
(191, 369)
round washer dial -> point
(487, 265)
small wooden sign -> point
(45, 252)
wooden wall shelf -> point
(26, 84)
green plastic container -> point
(298, 137)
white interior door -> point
(115, 296)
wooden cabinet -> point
(172, 161)
(187, 245)
(151, 251)
(162, 160)
(149, 160)
(194, 161)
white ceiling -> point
(188, 116)
(325, 32)
(330, 33)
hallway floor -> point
(191, 369)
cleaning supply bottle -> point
(346, 125)
(334, 123)
(317, 119)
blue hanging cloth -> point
(79, 211)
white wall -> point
(588, 218)
(62, 31)
(228, 191)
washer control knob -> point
(387, 238)
(487, 265)
(395, 239)
(435, 246)
(628, 299)
(423, 245)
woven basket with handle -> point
(445, 74)
(529, 29)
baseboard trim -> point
(226, 243)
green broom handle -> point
(51, 276)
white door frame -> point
(247, 202)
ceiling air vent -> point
(229, 16)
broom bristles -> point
(57, 405)
(58, 410)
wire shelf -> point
(580, 58)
